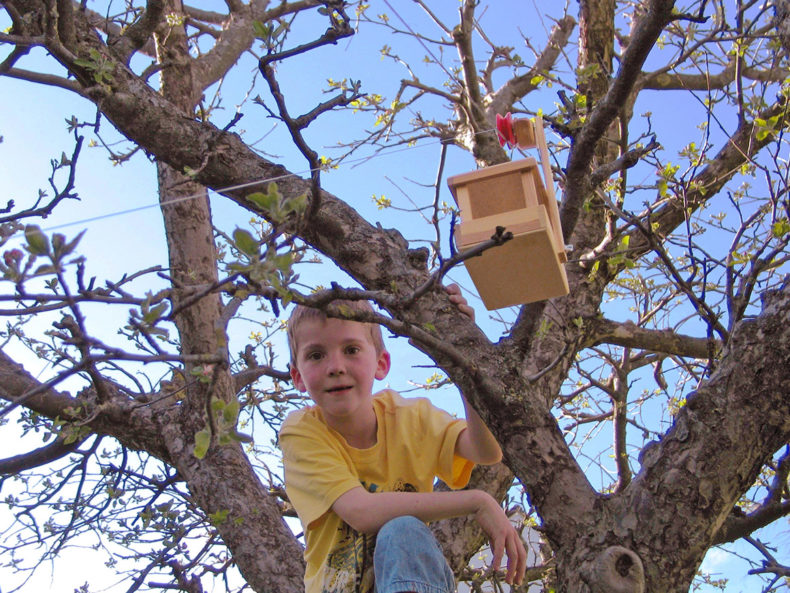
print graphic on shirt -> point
(349, 566)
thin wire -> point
(169, 202)
(229, 188)
(265, 180)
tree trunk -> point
(223, 482)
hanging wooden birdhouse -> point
(530, 266)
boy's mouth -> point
(338, 388)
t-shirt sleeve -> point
(452, 469)
(316, 474)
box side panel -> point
(523, 270)
(494, 195)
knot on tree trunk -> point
(616, 570)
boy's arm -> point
(476, 443)
(367, 512)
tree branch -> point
(485, 146)
(248, 376)
(121, 418)
(139, 33)
(715, 472)
(742, 146)
(775, 506)
(626, 161)
(60, 195)
(45, 79)
(629, 335)
(577, 188)
(339, 29)
(41, 456)
(519, 87)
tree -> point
(642, 213)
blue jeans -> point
(408, 558)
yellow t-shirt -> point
(415, 442)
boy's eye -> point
(352, 350)
(313, 356)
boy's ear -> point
(296, 377)
(382, 365)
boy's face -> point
(336, 363)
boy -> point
(359, 468)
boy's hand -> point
(459, 301)
(504, 539)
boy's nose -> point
(335, 366)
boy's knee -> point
(404, 534)
(404, 528)
(408, 558)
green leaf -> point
(146, 515)
(231, 411)
(283, 261)
(69, 247)
(279, 30)
(297, 204)
(202, 373)
(202, 442)
(45, 269)
(154, 314)
(261, 31)
(780, 228)
(58, 240)
(219, 517)
(245, 242)
(263, 201)
(37, 241)
(273, 189)
(286, 297)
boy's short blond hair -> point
(302, 313)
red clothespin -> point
(518, 133)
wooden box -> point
(530, 266)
